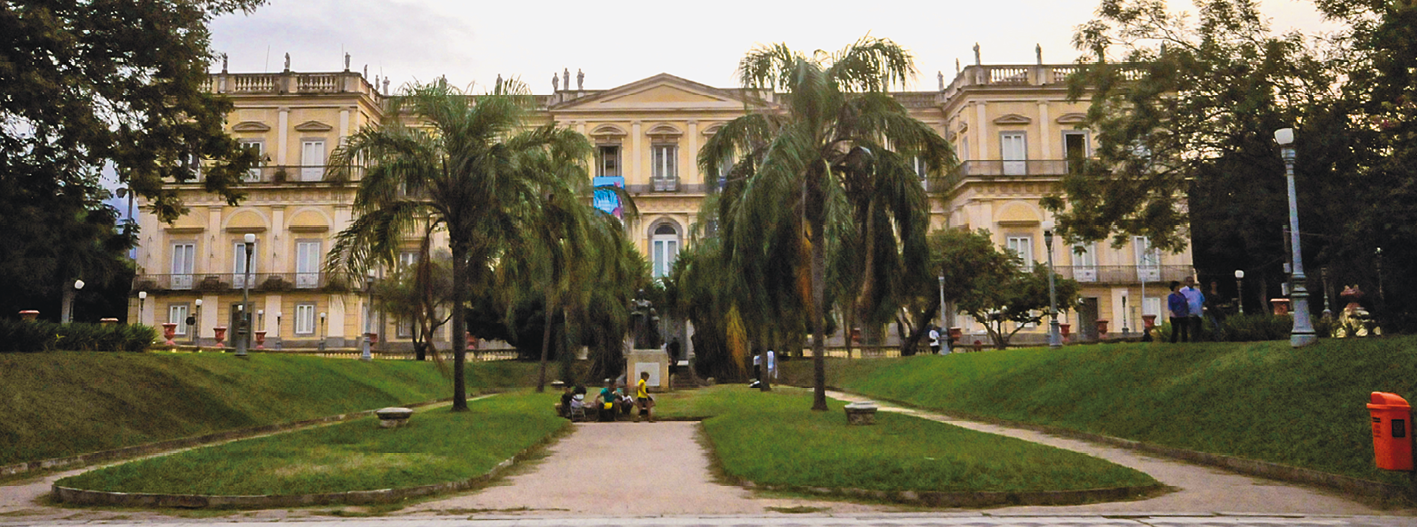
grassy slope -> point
(1262, 401)
(59, 404)
(774, 439)
(437, 446)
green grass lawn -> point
(436, 446)
(773, 439)
(59, 404)
(1261, 400)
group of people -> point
(1186, 306)
(758, 367)
(611, 402)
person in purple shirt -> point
(1195, 306)
(1180, 313)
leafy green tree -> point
(88, 85)
(421, 293)
(993, 286)
(467, 163)
(836, 118)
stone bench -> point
(393, 417)
(861, 413)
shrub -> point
(1248, 328)
(18, 336)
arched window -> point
(664, 248)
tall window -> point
(177, 314)
(184, 256)
(607, 161)
(1148, 259)
(1023, 247)
(1014, 148)
(1074, 147)
(312, 159)
(408, 258)
(922, 170)
(305, 319)
(1085, 262)
(307, 264)
(254, 174)
(238, 267)
(664, 248)
(665, 172)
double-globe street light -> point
(1303, 332)
(1055, 338)
(244, 329)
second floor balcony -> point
(1124, 274)
(232, 282)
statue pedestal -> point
(654, 361)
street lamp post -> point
(278, 342)
(142, 300)
(1125, 315)
(67, 313)
(944, 327)
(1303, 332)
(243, 329)
(322, 331)
(364, 354)
(197, 323)
(1240, 291)
(1055, 338)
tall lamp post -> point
(278, 342)
(944, 328)
(197, 323)
(1055, 338)
(364, 353)
(244, 329)
(67, 315)
(142, 301)
(1303, 332)
(1240, 291)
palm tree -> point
(826, 142)
(467, 163)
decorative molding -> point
(313, 126)
(308, 228)
(1013, 118)
(712, 129)
(246, 229)
(251, 126)
(1072, 118)
(185, 230)
(608, 133)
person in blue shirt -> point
(1195, 306)
(1180, 314)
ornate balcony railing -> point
(291, 82)
(1124, 274)
(293, 174)
(226, 282)
(670, 184)
(1012, 75)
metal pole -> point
(364, 353)
(1055, 338)
(1240, 291)
(197, 324)
(244, 331)
(1303, 332)
(944, 327)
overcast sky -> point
(617, 42)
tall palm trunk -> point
(816, 220)
(550, 312)
(460, 251)
(863, 299)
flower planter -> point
(1149, 321)
(220, 334)
(1102, 328)
(169, 330)
(1065, 329)
(260, 340)
(29, 314)
(1281, 305)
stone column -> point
(634, 161)
(282, 128)
(691, 172)
(981, 138)
(213, 249)
(1045, 133)
(277, 247)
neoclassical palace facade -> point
(1012, 127)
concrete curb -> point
(1251, 467)
(187, 442)
(977, 499)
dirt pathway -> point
(625, 469)
(1202, 489)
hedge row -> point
(18, 336)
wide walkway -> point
(1202, 489)
(625, 469)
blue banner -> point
(607, 200)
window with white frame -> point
(1013, 146)
(177, 314)
(665, 169)
(922, 169)
(405, 327)
(238, 263)
(307, 264)
(1148, 259)
(408, 258)
(607, 161)
(312, 159)
(1084, 262)
(184, 258)
(305, 319)
(254, 174)
(664, 248)
(1023, 247)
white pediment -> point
(660, 92)
(313, 126)
(251, 126)
(1013, 118)
(1072, 118)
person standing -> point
(1195, 306)
(757, 365)
(934, 340)
(1180, 314)
(772, 365)
(642, 398)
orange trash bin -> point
(1392, 431)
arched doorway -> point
(664, 249)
